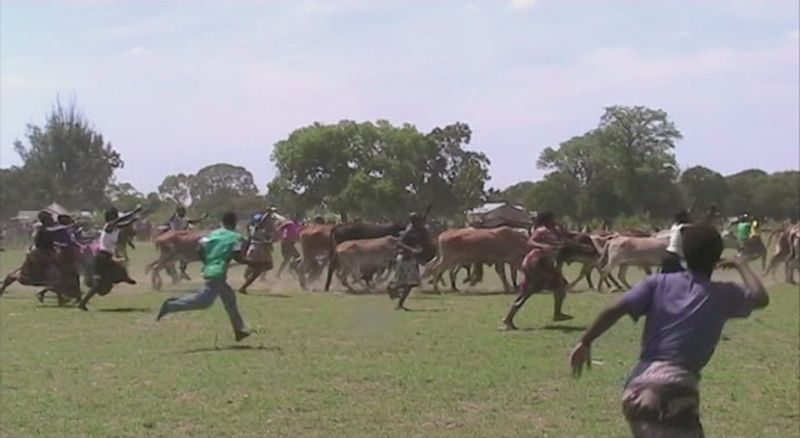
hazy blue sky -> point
(179, 85)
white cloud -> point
(136, 51)
(524, 4)
(472, 8)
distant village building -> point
(495, 214)
(55, 209)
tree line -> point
(623, 168)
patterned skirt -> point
(108, 272)
(407, 272)
(260, 253)
(540, 273)
(39, 268)
(663, 401)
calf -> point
(359, 257)
(356, 231)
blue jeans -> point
(205, 297)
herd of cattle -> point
(364, 253)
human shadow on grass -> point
(233, 348)
(557, 328)
(423, 310)
(127, 309)
(266, 295)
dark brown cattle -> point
(464, 246)
(174, 246)
(315, 242)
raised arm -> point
(757, 298)
(196, 220)
(127, 218)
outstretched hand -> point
(582, 354)
(728, 264)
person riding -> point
(685, 314)
(107, 270)
(216, 251)
(674, 251)
(540, 269)
(411, 243)
(289, 235)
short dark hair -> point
(702, 247)
(44, 216)
(682, 217)
(229, 219)
(111, 214)
(544, 218)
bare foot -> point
(562, 317)
(508, 326)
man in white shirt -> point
(674, 252)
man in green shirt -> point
(743, 228)
(216, 250)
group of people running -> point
(685, 310)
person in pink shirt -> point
(540, 269)
(290, 233)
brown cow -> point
(464, 246)
(359, 257)
(786, 251)
(315, 243)
(174, 246)
(624, 251)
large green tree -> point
(703, 187)
(176, 188)
(378, 170)
(67, 161)
(624, 166)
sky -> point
(178, 85)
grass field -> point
(342, 365)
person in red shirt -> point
(540, 269)
(290, 234)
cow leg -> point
(611, 281)
(586, 271)
(477, 274)
(500, 268)
(453, 277)
(773, 264)
(514, 276)
(183, 265)
(622, 274)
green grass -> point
(341, 365)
